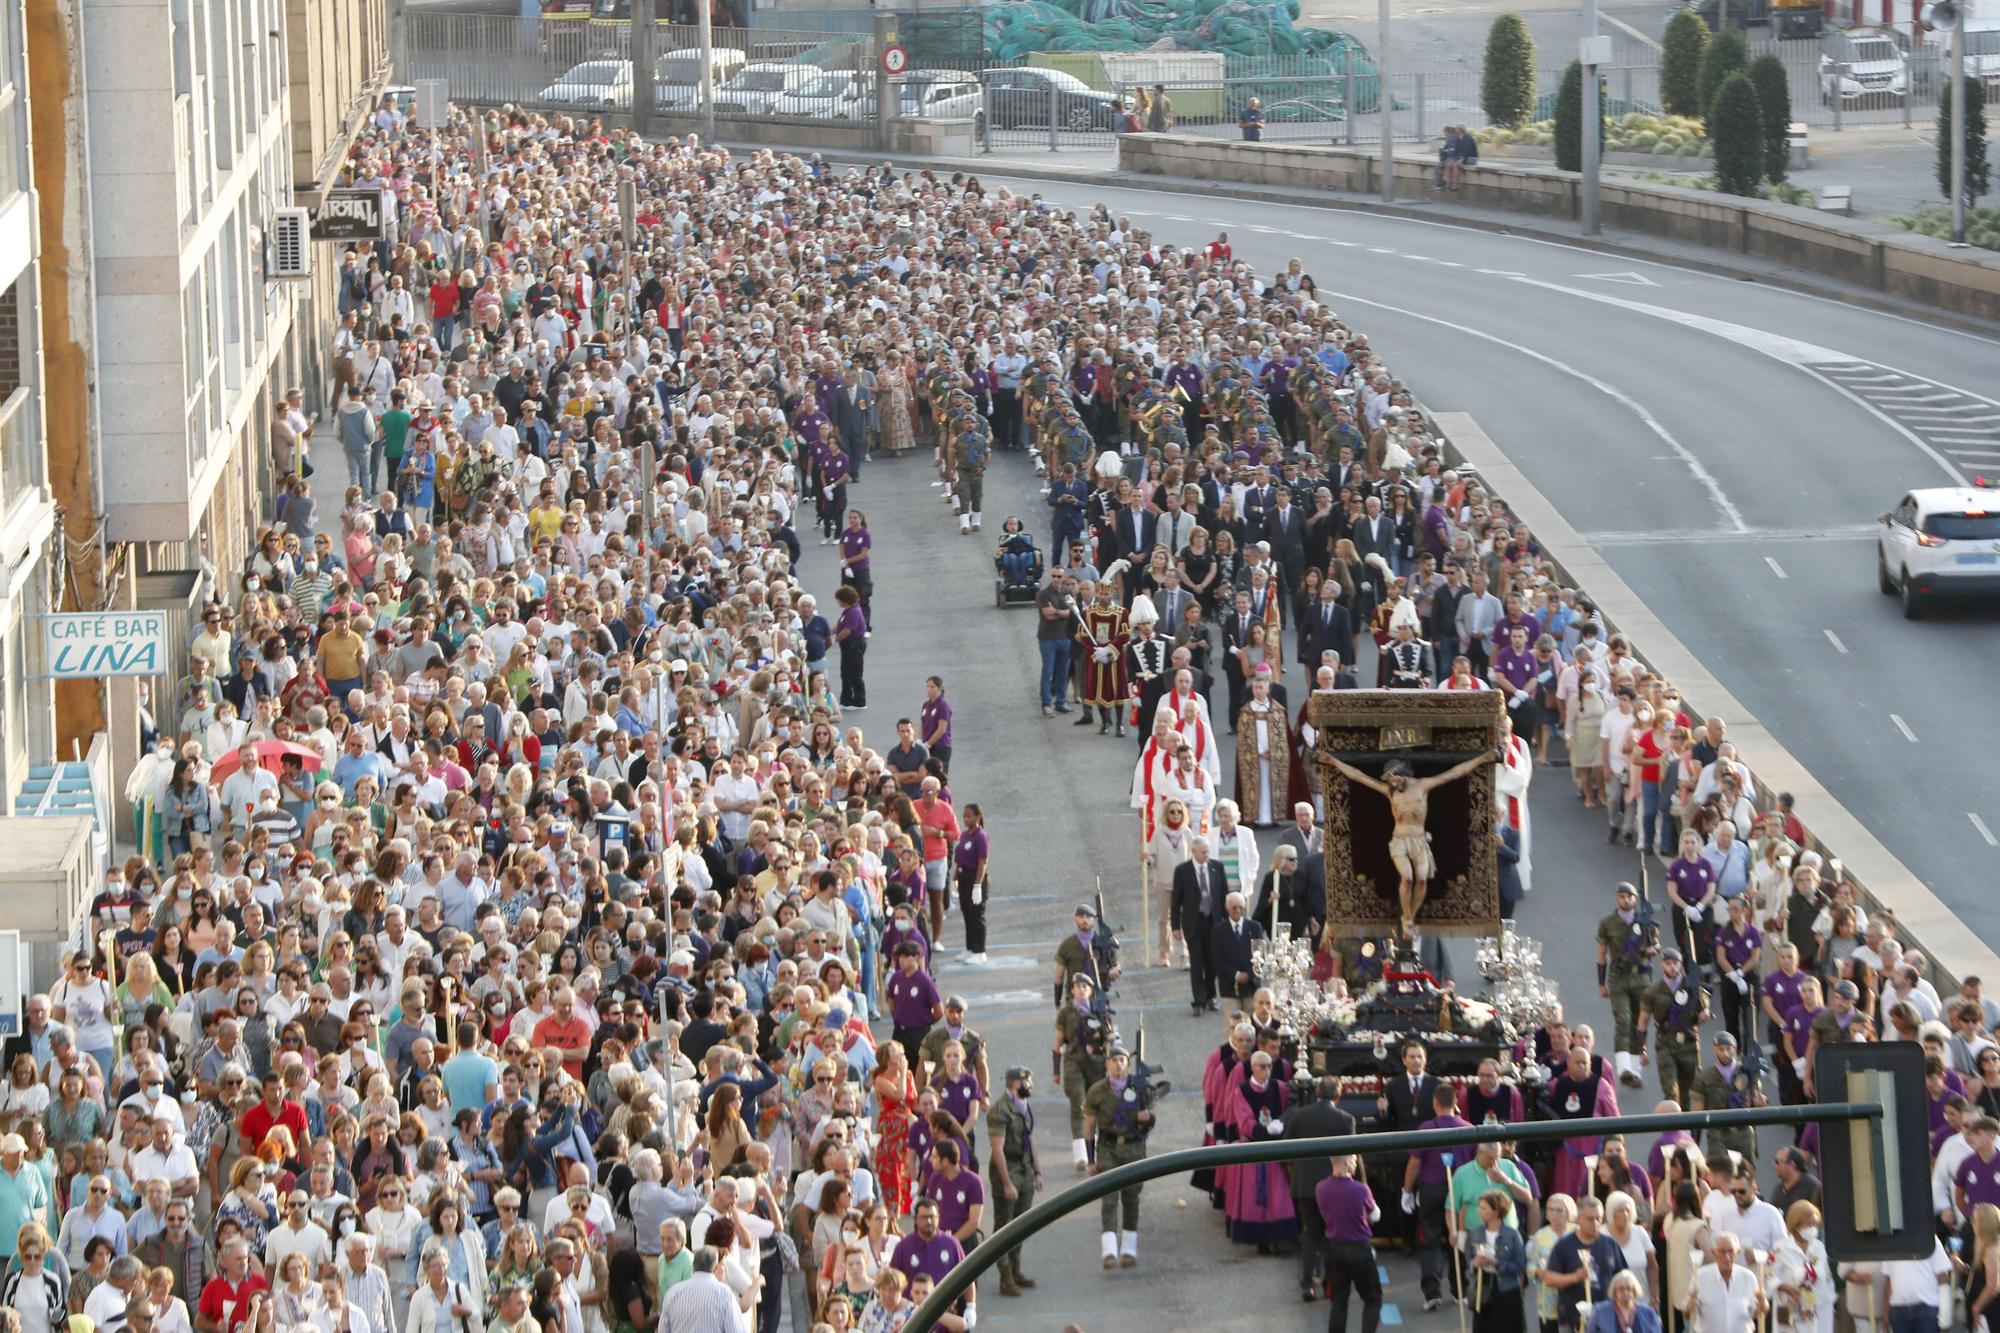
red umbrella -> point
(270, 756)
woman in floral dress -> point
(895, 1097)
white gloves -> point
(1409, 1201)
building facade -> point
(30, 545)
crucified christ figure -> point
(1409, 801)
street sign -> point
(433, 104)
(895, 59)
(1876, 1175)
(350, 215)
(88, 645)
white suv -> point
(1941, 542)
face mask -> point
(1807, 1235)
(183, 894)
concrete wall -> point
(1901, 264)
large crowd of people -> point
(527, 936)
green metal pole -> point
(1096, 1187)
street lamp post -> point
(1593, 51)
(1385, 106)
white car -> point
(1943, 541)
(1863, 65)
(834, 95)
(677, 75)
(594, 83)
(756, 89)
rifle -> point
(1103, 949)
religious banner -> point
(1408, 777)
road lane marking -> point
(1984, 832)
(1834, 639)
(1500, 273)
(1628, 277)
(1776, 568)
(1675, 536)
(1903, 727)
(1723, 504)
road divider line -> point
(1833, 639)
(1903, 727)
(1776, 568)
(1984, 832)
(1882, 878)
(1629, 30)
(1722, 502)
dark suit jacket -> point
(1300, 902)
(1324, 625)
(1184, 907)
(1286, 531)
(1135, 530)
(1376, 535)
(1509, 854)
(1407, 1111)
(1313, 1120)
(1229, 953)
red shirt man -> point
(274, 1110)
(228, 1299)
(567, 1032)
(939, 822)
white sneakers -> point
(974, 960)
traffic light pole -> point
(955, 1283)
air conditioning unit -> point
(291, 243)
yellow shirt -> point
(340, 654)
(544, 524)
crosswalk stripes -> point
(1954, 423)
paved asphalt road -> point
(1055, 798)
(1727, 447)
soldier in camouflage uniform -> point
(1675, 1008)
(1726, 1085)
(974, 443)
(1626, 944)
(1118, 1113)
(1082, 1035)
(1016, 1174)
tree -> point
(1680, 63)
(1978, 169)
(1774, 99)
(1507, 87)
(1569, 119)
(1727, 54)
(1736, 128)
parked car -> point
(755, 89)
(677, 75)
(1863, 66)
(834, 95)
(1024, 98)
(594, 83)
(1982, 46)
(942, 94)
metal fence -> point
(585, 67)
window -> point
(1971, 527)
(194, 353)
(225, 119)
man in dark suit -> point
(1375, 534)
(1236, 623)
(1135, 529)
(1285, 529)
(1325, 625)
(1404, 1104)
(1192, 910)
(1319, 1118)
(1233, 938)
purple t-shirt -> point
(1344, 1203)
(955, 1198)
(1798, 1028)
(1783, 991)
(957, 1095)
(933, 1258)
(1737, 946)
(1517, 669)
(1690, 880)
(971, 848)
(854, 544)
(1980, 1181)
(852, 621)
(936, 712)
(911, 998)
(1431, 1166)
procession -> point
(534, 931)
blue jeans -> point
(1916, 1317)
(1652, 808)
(1055, 671)
(360, 467)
